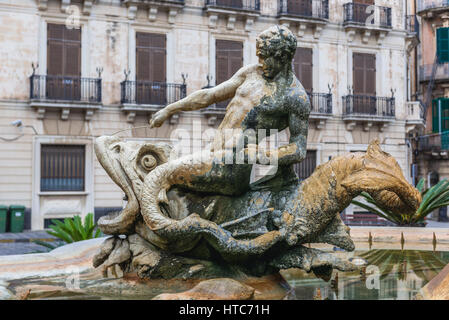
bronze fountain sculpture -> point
(197, 217)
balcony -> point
(231, 10)
(441, 72)
(428, 7)
(321, 108)
(146, 96)
(65, 94)
(313, 13)
(412, 25)
(415, 115)
(412, 28)
(172, 7)
(367, 19)
(434, 145)
(368, 110)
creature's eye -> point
(116, 148)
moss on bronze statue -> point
(207, 218)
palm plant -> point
(73, 229)
(432, 198)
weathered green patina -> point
(195, 216)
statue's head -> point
(276, 47)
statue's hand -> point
(158, 118)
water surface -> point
(388, 275)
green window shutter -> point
(443, 44)
(444, 115)
(435, 122)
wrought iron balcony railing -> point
(367, 15)
(434, 142)
(441, 72)
(432, 4)
(158, 1)
(412, 24)
(369, 106)
(248, 5)
(321, 103)
(309, 9)
(61, 88)
(151, 93)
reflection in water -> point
(389, 275)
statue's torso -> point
(257, 104)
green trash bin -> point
(16, 218)
(3, 218)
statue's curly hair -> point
(277, 41)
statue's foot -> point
(309, 259)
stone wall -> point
(108, 41)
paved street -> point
(21, 243)
(12, 248)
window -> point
(301, 7)
(440, 117)
(228, 60)
(230, 3)
(364, 83)
(151, 68)
(305, 168)
(364, 73)
(62, 167)
(361, 12)
(63, 63)
(303, 67)
(443, 45)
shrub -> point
(432, 198)
(73, 229)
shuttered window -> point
(63, 51)
(231, 3)
(228, 60)
(361, 14)
(303, 67)
(300, 7)
(63, 63)
(151, 57)
(364, 1)
(443, 44)
(444, 122)
(305, 168)
(364, 74)
(364, 83)
(151, 68)
(62, 167)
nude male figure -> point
(266, 96)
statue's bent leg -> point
(189, 172)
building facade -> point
(74, 70)
(432, 145)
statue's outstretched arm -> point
(202, 98)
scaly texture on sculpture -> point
(196, 216)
